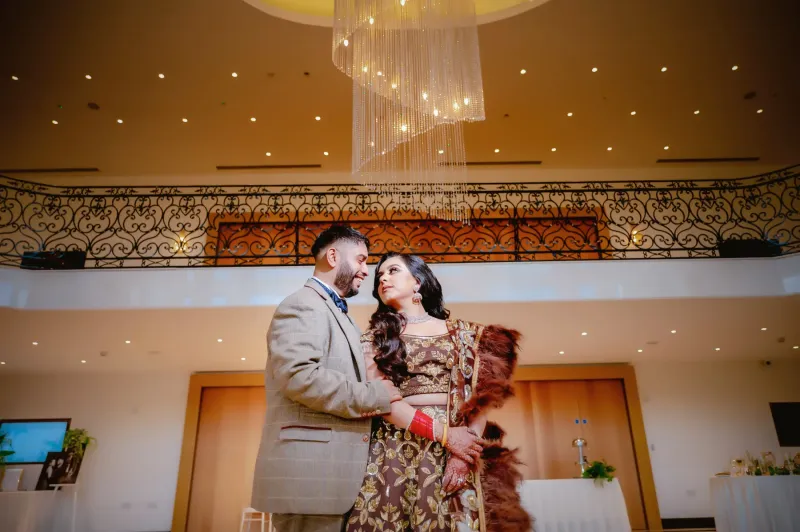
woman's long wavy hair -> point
(386, 324)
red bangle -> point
(422, 425)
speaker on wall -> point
(53, 260)
(737, 249)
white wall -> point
(700, 415)
(128, 480)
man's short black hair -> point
(334, 234)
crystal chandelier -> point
(416, 73)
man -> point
(315, 442)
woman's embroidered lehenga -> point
(402, 489)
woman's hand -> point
(455, 474)
(464, 443)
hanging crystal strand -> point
(416, 76)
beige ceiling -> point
(186, 340)
(50, 46)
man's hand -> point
(394, 393)
(455, 474)
(464, 443)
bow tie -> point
(340, 303)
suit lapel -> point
(348, 328)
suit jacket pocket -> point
(305, 433)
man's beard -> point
(344, 280)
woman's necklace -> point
(422, 318)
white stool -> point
(251, 515)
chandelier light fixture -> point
(416, 74)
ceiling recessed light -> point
(161, 76)
(609, 148)
(441, 152)
(35, 343)
(219, 340)
(83, 362)
(88, 76)
(673, 331)
(584, 334)
(55, 122)
(561, 352)
(15, 78)
(760, 111)
(796, 347)
(325, 153)
(269, 154)
(666, 147)
(663, 69)
(735, 67)
(2, 363)
(697, 111)
(127, 341)
(594, 69)
(497, 150)
(234, 74)
(633, 113)
(184, 120)
(716, 349)
(763, 328)
(317, 118)
(243, 358)
(640, 350)
(119, 120)
(569, 114)
(523, 71)
(252, 119)
(552, 149)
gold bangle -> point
(444, 435)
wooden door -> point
(546, 416)
(228, 436)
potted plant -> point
(76, 441)
(5, 442)
(599, 471)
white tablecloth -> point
(575, 505)
(756, 504)
(28, 511)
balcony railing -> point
(275, 225)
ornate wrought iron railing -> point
(168, 226)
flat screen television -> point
(32, 439)
(785, 416)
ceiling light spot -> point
(435, 112)
(441, 152)
(325, 153)
(88, 76)
(523, 71)
(371, 20)
(663, 69)
(219, 340)
(640, 350)
(234, 75)
(161, 76)
(127, 341)
(666, 147)
(317, 118)
(346, 42)
(269, 154)
(35, 343)
(760, 111)
(673, 331)
(561, 352)
(552, 149)
(569, 114)
(716, 349)
(697, 111)
(252, 119)
(796, 347)
(83, 362)
(594, 69)
(633, 113)
(394, 85)
(735, 67)
(15, 78)
(2, 363)
(763, 328)
(609, 148)
(119, 120)
(243, 358)
(184, 120)
(497, 150)
(424, 95)
(365, 69)
(380, 73)
(466, 101)
(55, 122)
(584, 334)
(404, 128)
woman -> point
(450, 373)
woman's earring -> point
(417, 297)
